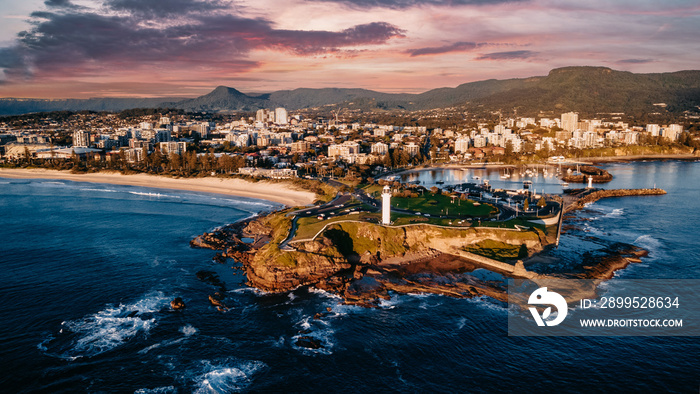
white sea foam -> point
(324, 337)
(157, 390)
(162, 344)
(188, 330)
(487, 303)
(653, 245)
(323, 293)
(616, 213)
(251, 290)
(100, 190)
(227, 376)
(151, 194)
(461, 323)
(318, 329)
(106, 329)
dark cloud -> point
(60, 4)
(156, 8)
(512, 55)
(634, 61)
(401, 4)
(126, 33)
(461, 46)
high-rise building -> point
(654, 129)
(81, 139)
(672, 132)
(281, 116)
(569, 121)
(462, 144)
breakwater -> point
(578, 199)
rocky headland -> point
(365, 262)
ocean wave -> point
(157, 390)
(323, 293)
(100, 190)
(161, 344)
(653, 245)
(251, 290)
(227, 376)
(153, 194)
(106, 329)
(488, 304)
(616, 213)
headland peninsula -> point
(463, 241)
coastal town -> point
(367, 221)
(276, 144)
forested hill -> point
(587, 90)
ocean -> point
(90, 270)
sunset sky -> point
(118, 48)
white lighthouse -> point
(386, 205)
(590, 182)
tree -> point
(542, 203)
(526, 204)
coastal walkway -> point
(514, 271)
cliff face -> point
(275, 270)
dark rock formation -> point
(177, 303)
(309, 342)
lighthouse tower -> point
(386, 205)
(590, 182)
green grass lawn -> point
(307, 227)
(440, 204)
(374, 190)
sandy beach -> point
(277, 192)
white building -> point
(412, 148)
(81, 139)
(344, 150)
(380, 148)
(480, 141)
(175, 147)
(462, 144)
(673, 132)
(654, 130)
(569, 121)
(281, 117)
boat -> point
(439, 182)
(564, 184)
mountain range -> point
(587, 90)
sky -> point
(185, 48)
